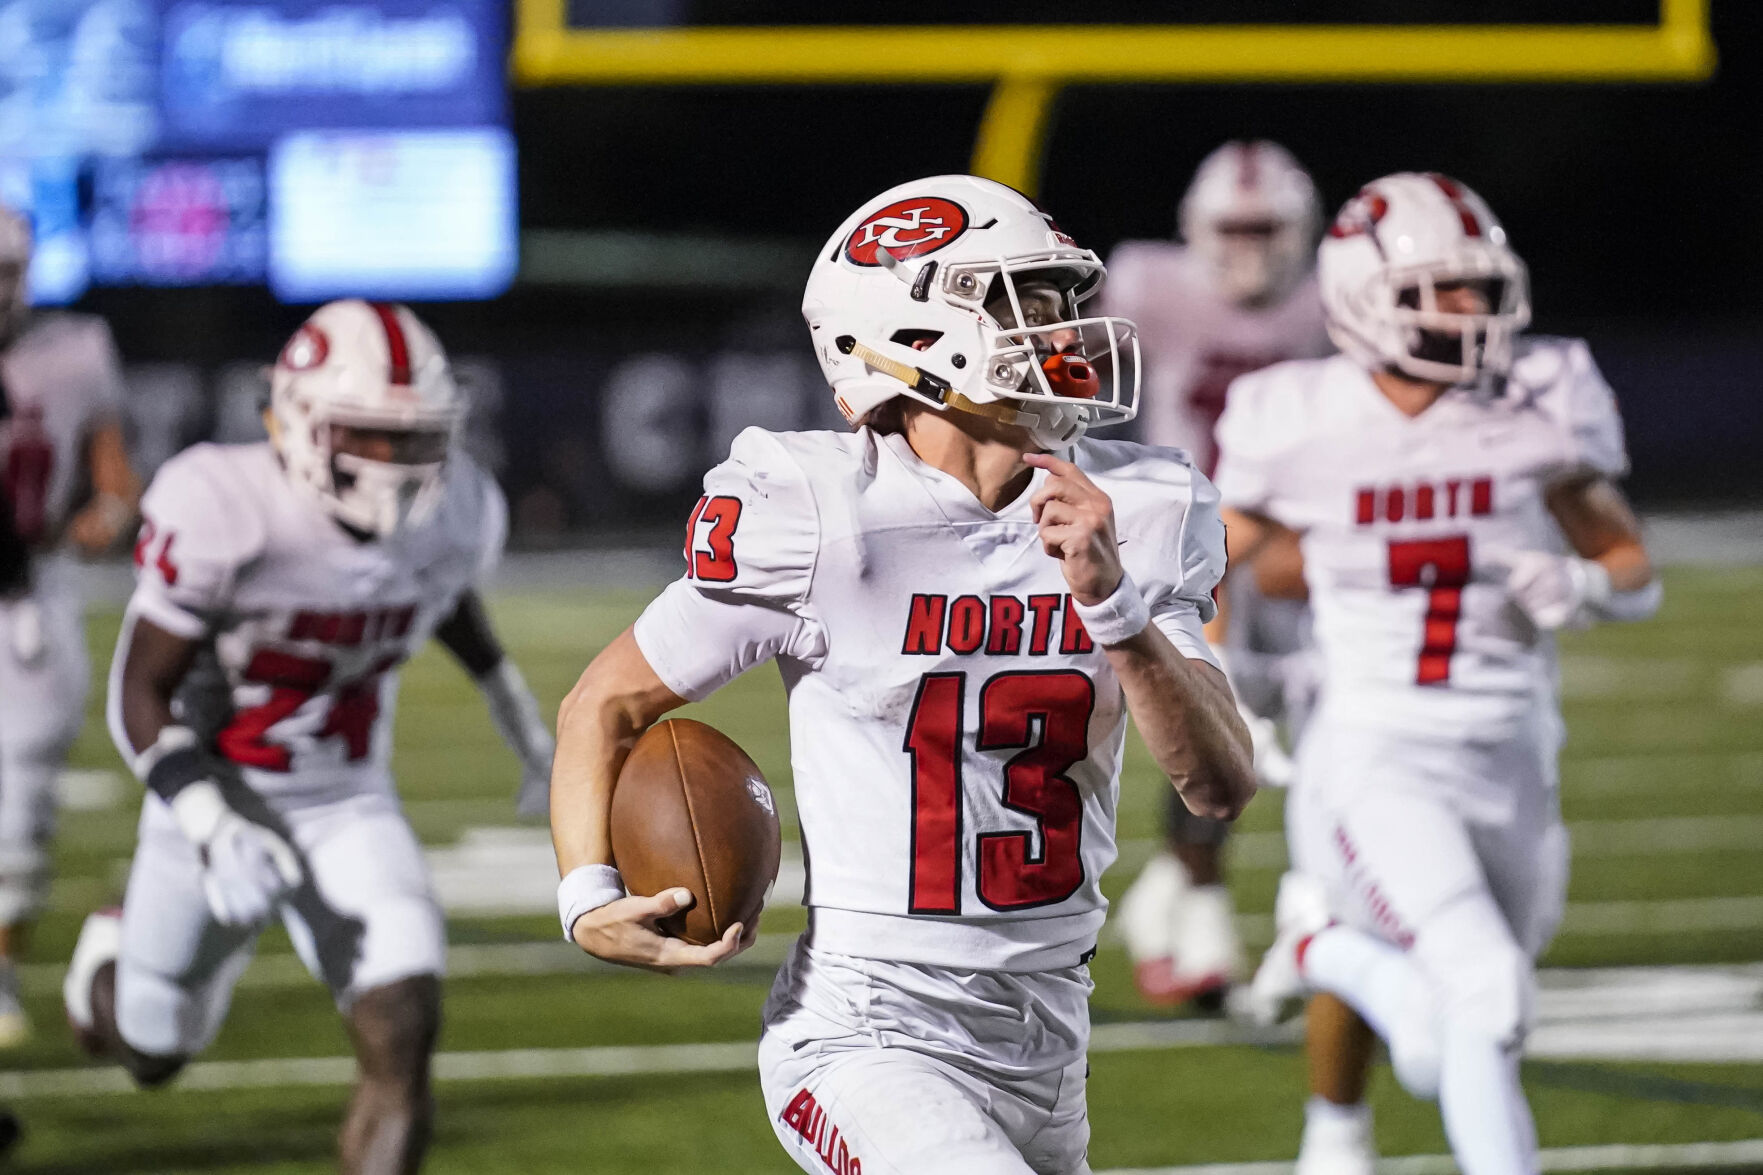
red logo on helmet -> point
(907, 228)
(1359, 215)
(307, 349)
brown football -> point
(690, 809)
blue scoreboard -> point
(323, 147)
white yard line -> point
(1668, 1156)
(495, 960)
(506, 870)
(1685, 1014)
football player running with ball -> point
(1453, 485)
(1239, 294)
(281, 585)
(965, 597)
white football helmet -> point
(1383, 261)
(1252, 214)
(921, 293)
(372, 366)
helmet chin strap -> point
(923, 382)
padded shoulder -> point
(474, 517)
(79, 356)
(206, 517)
(1166, 516)
(1139, 271)
(1268, 414)
(1560, 378)
(756, 531)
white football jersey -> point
(62, 380)
(955, 735)
(308, 624)
(1195, 341)
(1402, 519)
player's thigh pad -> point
(852, 1108)
(1483, 979)
(1525, 854)
(177, 966)
(367, 915)
(1391, 849)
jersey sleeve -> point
(483, 523)
(197, 534)
(750, 548)
(1174, 547)
(1124, 291)
(1246, 474)
(1181, 603)
(1591, 421)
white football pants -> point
(878, 1068)
(44, 676)
(366, 917)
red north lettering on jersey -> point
(1456, 497)
(998, 625)
(350, 629)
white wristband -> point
(586, 888)
(1122, 616)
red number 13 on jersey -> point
(1012, 875)
(710, 554)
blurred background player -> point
(1453, 485)
(296, 576)
(958, 790)
(66, 488)
(1238, 294)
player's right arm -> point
(749, 558)
(192, 545)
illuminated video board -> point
(323, 147)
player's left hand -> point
(1552, 590)
(1077, 528)
(626, 932)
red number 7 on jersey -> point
(1442, 567)
(710, 554)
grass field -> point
(1663, 782)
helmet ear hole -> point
(918, 340)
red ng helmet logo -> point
(306, 350)
(907, 228)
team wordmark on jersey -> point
(352, 628)
(1457, 497)
(805, 1116)
(1000, 626)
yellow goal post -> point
(1026, 65)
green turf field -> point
(1663, 781)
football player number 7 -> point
(1441, 566)
(1045, 717)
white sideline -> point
(1623, 1013)
(1569, 1158)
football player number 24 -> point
(1012, 875)
(1442, 567)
